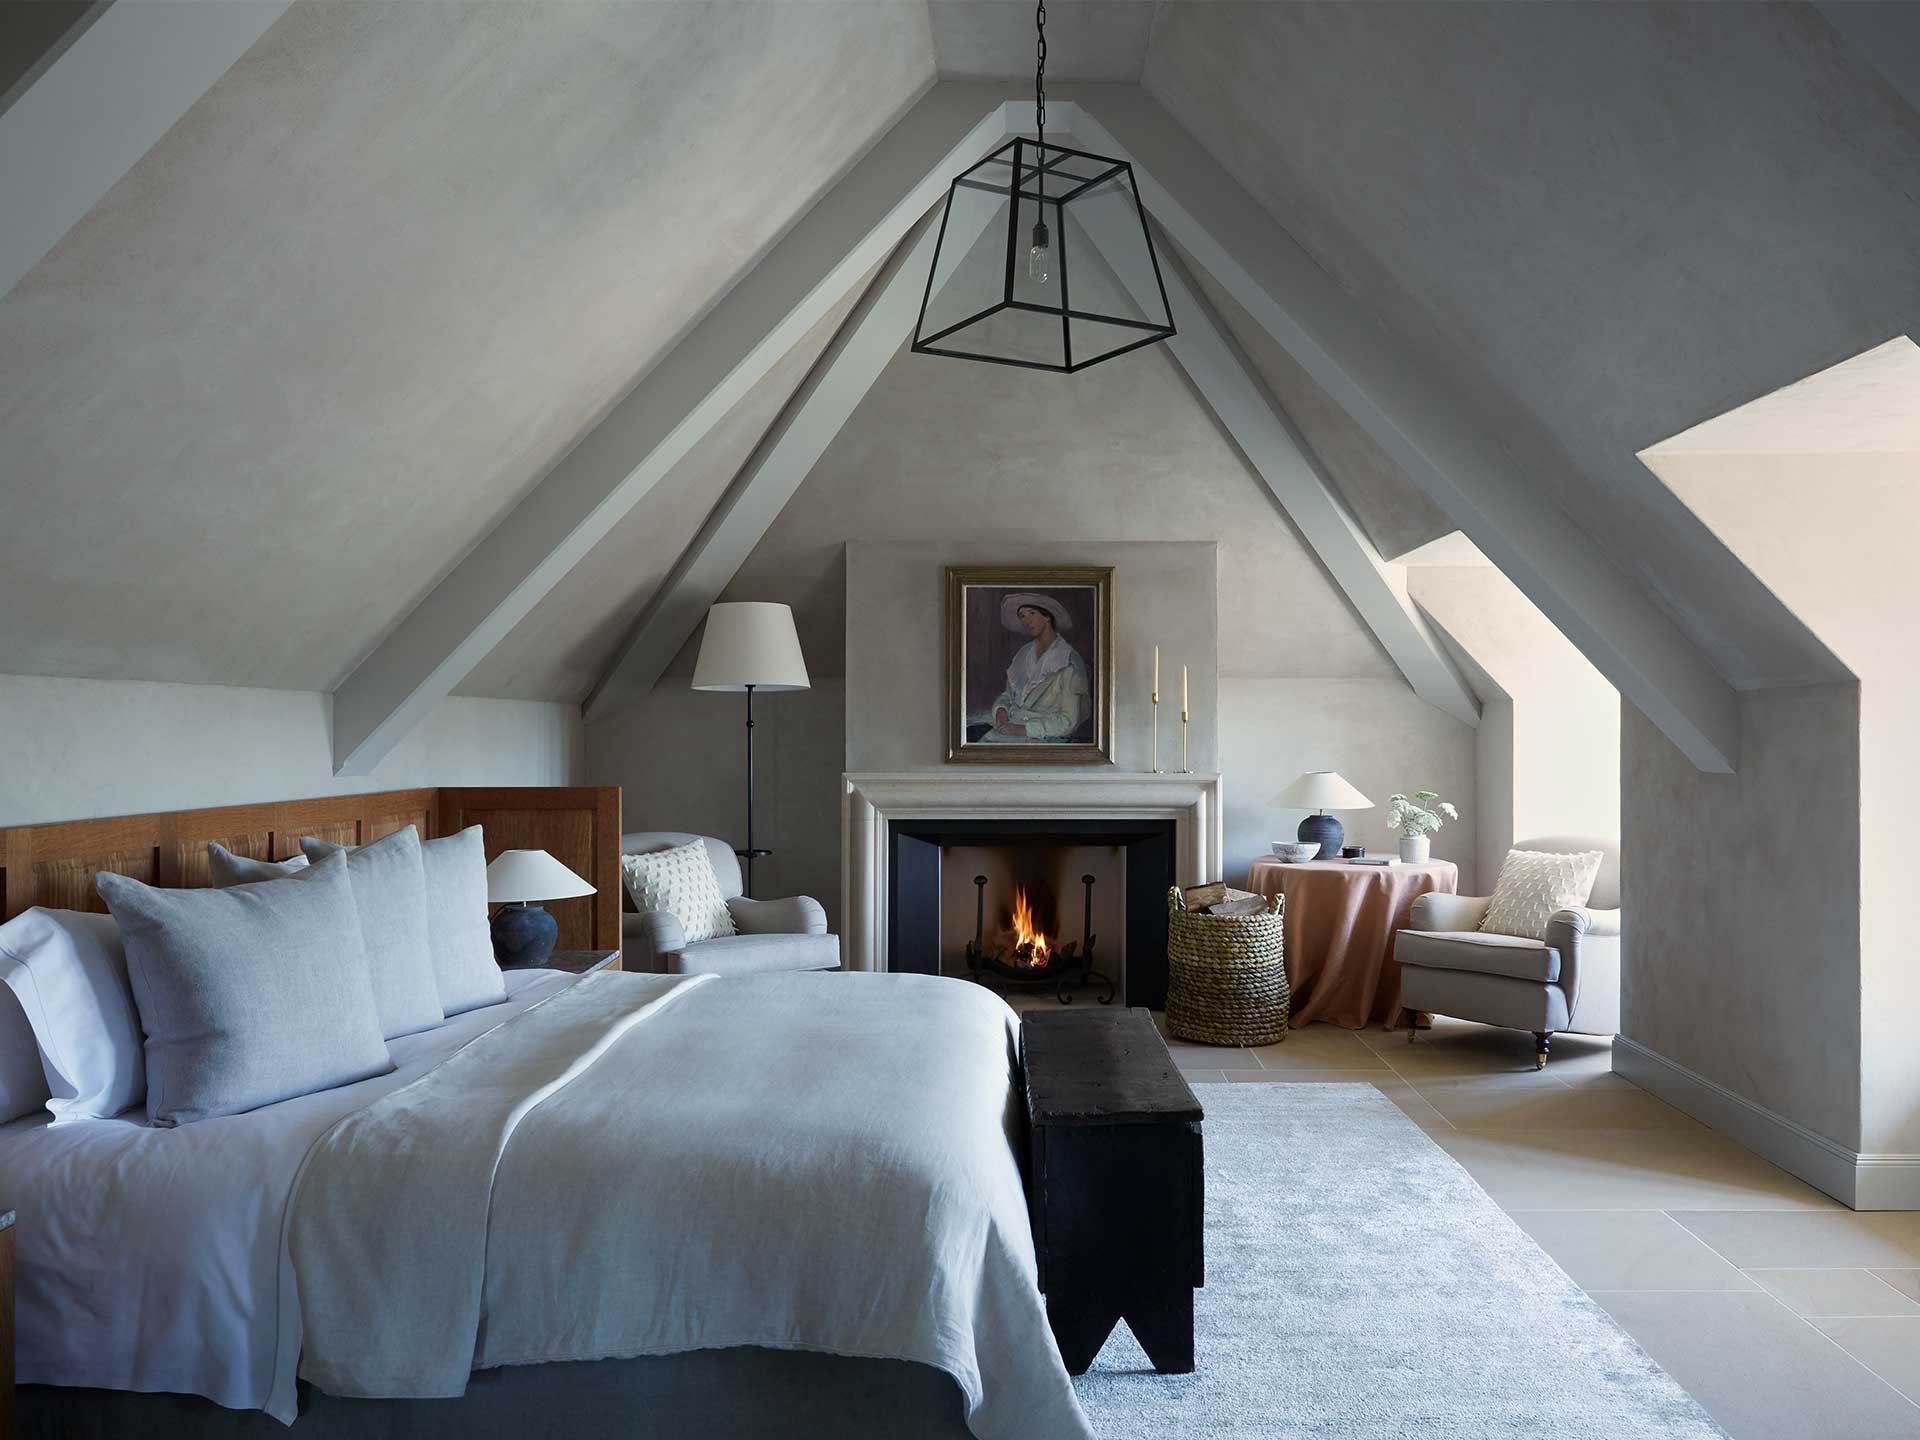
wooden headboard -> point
(54, 865)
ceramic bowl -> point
(1293, 852)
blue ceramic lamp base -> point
(524, 937)
(1328, 831)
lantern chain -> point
(1040, 79)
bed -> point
(613, 1204)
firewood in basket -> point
(1243, 905)
(1201, 896)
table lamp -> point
(523, 932)
(1321, 791)
(750, 645)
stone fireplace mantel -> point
(872, 800)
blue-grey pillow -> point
(390, 892)
(464, 970)
(248, 995)
(226, 868)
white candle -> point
(1183, 692)
(1156, 672)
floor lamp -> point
(750, 645)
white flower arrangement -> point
(1425, 813)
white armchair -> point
(1568, 981)
(786, 934)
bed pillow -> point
(680, 880)
(23, 1082)
(248, 995)
(390, 892)
(227, 868)
(1535, 883)
(68, 970)
(458, 939)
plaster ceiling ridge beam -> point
(1376, 588)
(865, 344)
(1418, 416)
(670, 408)
(69, 135)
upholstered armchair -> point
(1568, 981)
(788, 934)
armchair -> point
(1568, 981)
(788, 934)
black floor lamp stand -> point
(750, 854)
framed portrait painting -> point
(1030, 665)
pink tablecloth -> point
(1340, 923)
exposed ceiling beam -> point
(838, 382)
(1376, 588)
(837, 242)
(114, 91)
(1420, 417)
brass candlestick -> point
(1156, 733)
(1185, 768)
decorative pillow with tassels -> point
(1535, 883)
(680, 880)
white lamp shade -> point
(1322, 790)
(750, 642)
(520, 875)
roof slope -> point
(1618, 220)
(369, 288)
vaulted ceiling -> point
(373, 284)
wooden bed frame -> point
(54, 865)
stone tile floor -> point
(1788, 1316)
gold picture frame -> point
(1008, 704)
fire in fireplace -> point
(1026, 952)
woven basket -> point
(1226, 975)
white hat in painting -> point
(1010, 610)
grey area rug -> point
(1360, 1285)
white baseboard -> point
(1863, 1181)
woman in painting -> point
(1048, 695)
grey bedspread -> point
(644, 1165)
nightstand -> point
(6, 1325)
(583, 962)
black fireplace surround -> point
(913, 888)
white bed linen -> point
(798, 1161)
(151, 1259)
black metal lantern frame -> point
(1035, 324)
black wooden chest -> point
(1114, 1183)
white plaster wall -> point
(1377, 733)
(79, 749)
(1845, 566)
(1549, 736)
(1742, 909)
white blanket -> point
(644, 1164)
(151, 1259)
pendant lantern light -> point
(1044, 258)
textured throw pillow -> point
(390, 892)
(68, 970)
(227, 868)
(455, 870)
(680, 880)
(1535, 883)
(250, 995)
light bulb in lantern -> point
(1040, 256)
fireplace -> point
(1075, 909)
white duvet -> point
(151, 1259)
(642, 1165)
